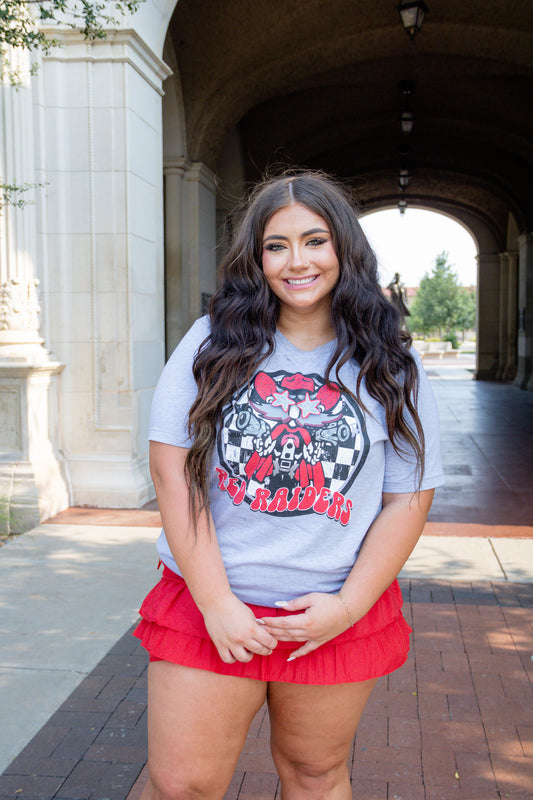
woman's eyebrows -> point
(305, 233)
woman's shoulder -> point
(201, 327)
(198, 331)
(192, 340)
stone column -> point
(200, 198)
(512, 318)
(102, 130)
(190, 245)
(504, 316)
(33, 480)
(176, 317)
(524, 376)
(488, 300)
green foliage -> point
(465, 312)
(441, 304)
(452, 337)
(19, 20)
(12, 195)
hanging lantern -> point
(412, 13)
(404, 179)
(407, 120)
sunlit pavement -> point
(452, 723)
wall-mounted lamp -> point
(402, 205)
(412, 13)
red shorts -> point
(172, 629)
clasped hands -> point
(238, 635)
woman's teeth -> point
(300, 281)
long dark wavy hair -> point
(244, 312)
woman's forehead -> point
(295, 216)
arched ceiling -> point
(316, 83)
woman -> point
(294, 452)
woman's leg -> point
(197, 726)
(312, 731)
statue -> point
(399, 295)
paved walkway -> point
(452, 723)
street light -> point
(412, 14)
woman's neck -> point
(304, 332)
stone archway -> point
(307, 84)
(497, 276)
(329, 97)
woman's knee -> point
(318, 777)
(177, 785)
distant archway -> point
(408, 245)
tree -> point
(465, 313)
(441, 304)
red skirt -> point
(172, 629)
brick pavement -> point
(454, 722)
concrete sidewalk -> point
(68, 593)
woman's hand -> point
(325, 616)
(235, 632)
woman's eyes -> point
(275, 247)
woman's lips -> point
(296, 282)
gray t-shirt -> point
(299, 468)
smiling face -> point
(299, 261)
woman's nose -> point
(297, 259)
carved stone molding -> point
(19, 305)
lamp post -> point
(412, 13)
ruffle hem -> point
(172, 629)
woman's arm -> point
(386, 547)
(230, 623)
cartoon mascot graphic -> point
(291, 437)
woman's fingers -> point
(303, 651)
(242, 654)
(288, 635)
(226, 656)
(236, 633)
(324, 618)
(261, 649)
(293, 628)
(265, 638)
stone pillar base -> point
(111, 481)
(33, 477)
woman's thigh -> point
(313, 726)
(197, 726)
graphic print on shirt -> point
(292, 445)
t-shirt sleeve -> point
(176, 390)
(400, 468)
